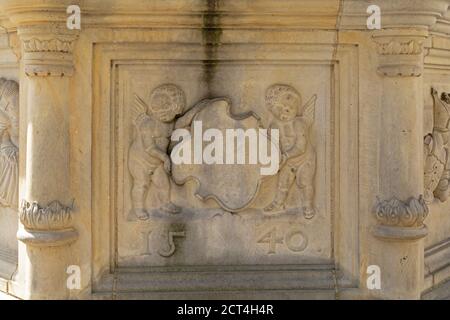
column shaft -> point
(46, 210)
(400, 208)
(47, 163)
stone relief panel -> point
(436, 150)
(213, 210)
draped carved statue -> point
(9, 133)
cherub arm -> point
(186, 120)
(302, 125)
(301, 143)
(142, 121)
(434, 93)
(436, 97)
(148, 141)
(152, 149)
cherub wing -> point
(309, 110)
(138, 108)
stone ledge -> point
(258, 282)
(8, 266)
(5, 296)
(230, 295)
(437, 264)
(441, 292)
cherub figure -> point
(154, 124)
(298, 158)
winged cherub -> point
(154, 124)
(298, 158)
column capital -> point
(47, 50)
(401, 220)
(47, 44)
(400, 51)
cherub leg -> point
(162, 183)
(305, 181)
(286, 178)
(139, 190)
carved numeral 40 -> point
(293, 239)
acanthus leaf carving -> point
(48, 45)
(410, 47)
(46, 226)
(397, 213)
(401, 220)
(54, 216)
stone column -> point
(46, 209)
(399, 208)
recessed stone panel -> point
(226, 214)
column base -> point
(47, 238)
(400, 233)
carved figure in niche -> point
(436, 151)
(298, 157)
(149, 161)
(9, 134)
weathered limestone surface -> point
(358, 118)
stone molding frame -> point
(109, 56)
(401, 220)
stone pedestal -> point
(100, 192)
